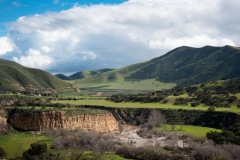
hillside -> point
(183, 66)
(14, 76)
(62, 76)
(186, 65)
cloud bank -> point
(101, 36)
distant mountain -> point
(14, 76)
(62, 76)
(83, 74)
(183, 66)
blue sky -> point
(60, 36)
(10, 10)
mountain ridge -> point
(183, 66)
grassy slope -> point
(183, 65)
(111, 77)
(16, 143)
(196, 131)
(144, 85)
(16, 77)
(186, 65)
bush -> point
(210, 153)
(146, 153)
(155, 119)
(164, 101)
(36, 148)
(2, 153)
(211, 109)
(141, 153)
(195, 104)
(223, 137)
(238, 105)
(83, 140)
(181, 101)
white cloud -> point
(5, 45)
(196, 41)
(56, 1)
(89, 55)
(34, 59)
(97, 36)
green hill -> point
(186, 65)
(183, 66)
(62, 76)
(14, 76)
(84, 74)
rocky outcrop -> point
(3, 121)
(59, 120)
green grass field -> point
(16, 143)
(142, 105)
(196, 131)
(143, 85)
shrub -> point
(2, 153)
(83, 140)
(36, 148)
(181, 101)
(164, 101)
(141, 153)
(195, 104)
(223, 137)
(210, 153)
(155, 119)
(238, 105)
(211, 109)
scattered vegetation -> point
(215, 94)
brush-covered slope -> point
(186, 65)
(14, 76)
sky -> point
(66, 36)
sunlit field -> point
(142, 105)
(196, 131)
(16, 143)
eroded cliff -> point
(3, 121)
(60, 120)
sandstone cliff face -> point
(58, 120)
(3, 121)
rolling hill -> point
(83, 74)
(186, 65)
(183, 66)
(14, 76)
